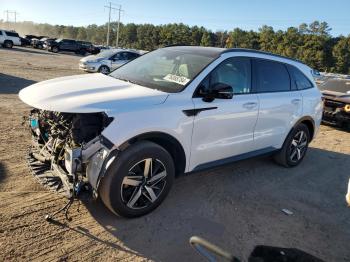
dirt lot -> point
(237, 206)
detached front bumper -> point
(83, 166)
(337, 116)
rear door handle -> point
(296, 101)
(250, 105)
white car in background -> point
(108, 60)
(9, 38)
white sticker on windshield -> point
(181, 80)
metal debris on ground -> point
(287, 211)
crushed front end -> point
(336, 111)
(67, 149)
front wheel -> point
(138, 180)
(294, 147)
(104, 70)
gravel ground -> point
(236, 206)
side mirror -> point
(222, 91)
(219, 91)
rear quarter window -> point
(13, 34)
(299, 80)
(270, 76)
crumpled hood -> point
(337, 96)
(89, 93)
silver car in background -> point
(108, 60)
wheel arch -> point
(309, 122)
(102, 66)
(168, 142)
(8, 40)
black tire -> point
(82, 52)
(104, 69)
(8, 44)
(40, 46)
(289, 156)
(114, 191)
(55, 49)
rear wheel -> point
(82, 51)
(55, 49)
(138, 180)
(294, 147)
(8, 44)
(104, 69)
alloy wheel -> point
(144, 183)
(104, 70)
(298, 146)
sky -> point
(212, 14)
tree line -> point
(311, 43)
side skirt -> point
(221, 162)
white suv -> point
(174, 110)
(9, 38)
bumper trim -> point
(53, 179)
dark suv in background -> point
(89, 47)
(67, 45)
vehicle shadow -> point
(345, 128)
(12, 84)
(85, 232)
(239, 206)
(31, 50)
(2, 172)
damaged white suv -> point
(174, 110)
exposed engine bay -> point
(62, 145)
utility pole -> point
(119, 9)
(109, 21)
(7, 17)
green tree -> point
(206, 39)
(341, 55)
(81, 35)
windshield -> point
(337, 85)
(106, 53)
(168, 70)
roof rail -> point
(259, 52)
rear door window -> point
(299, 80)
(270, 76)
(131, 56)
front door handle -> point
(196, 111)
(250, 105)
(296, 101)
